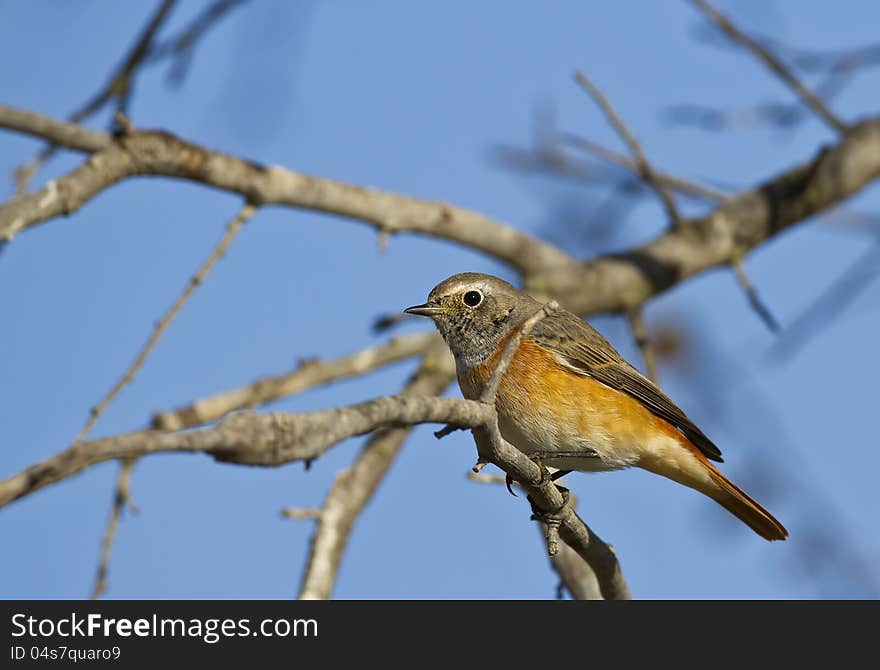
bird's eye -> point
(473, 298)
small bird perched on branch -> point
(569, 398)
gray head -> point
(474, 313)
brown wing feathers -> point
(583, 349)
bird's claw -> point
(508, 482)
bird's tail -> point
(690, 467)
(742, 506)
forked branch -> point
(772, 62)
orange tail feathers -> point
(742, 506)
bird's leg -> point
(537, 457)
(550, 455)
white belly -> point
(602, 452)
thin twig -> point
(827, 306)
(754, 299)
(553, 160)
(446, 430)
(121, 497)
(481, 463)
(640, 334)
(244, 214)
(486, 478)
(353, 488)
(772, 62)
(308, 374)
(673, 181)
(735, 227)
(644, 168)
(63, 133)
(180, 46)
(121, 500)
(301, 513)
(550, 524)
(120, 84)
(119, 88)
(575, 574)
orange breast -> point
(544, 406)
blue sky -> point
(411, 97)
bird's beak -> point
(424, 310)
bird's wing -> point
(583, 349)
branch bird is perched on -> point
(570, 398)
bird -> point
(569, 399)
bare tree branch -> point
(144, 51)
(605, 284)
(772, 62)
(354, 487)
(310, 373)
(61, 133)
(837, 68)
(640, 334)
(546, 496)
(549, 157)
(161, 154)
(618, 282)
(249, 438)
(671, 181)
(121, 500)
(301, 513)
(121, 497)
(575, 575)
(275, 439)
(828, 305)
(234, 227)
(642, 165)
(754, 299)
(621, 282)
(180, 46)
(121, 82)
(230, 441)
(608, 284)
(118, 88)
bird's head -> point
(474, 313)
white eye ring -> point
(472, 298)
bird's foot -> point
(538, 458)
